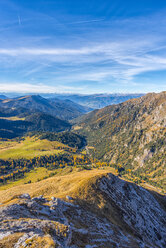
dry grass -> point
(76, 128)
(34, 175)
(40, 242)
(9, 241)
(82, 186)
(67, 183)
(13, 118)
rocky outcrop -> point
(36, 217)
(70, 224)
(139, 209)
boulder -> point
(25, 196)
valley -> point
(129, 137)
(95, 178)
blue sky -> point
(77, 46)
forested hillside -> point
(63, 109)
(132, 134)
(35, 113)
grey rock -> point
(137, 208)
(39, 199)
(25, 196)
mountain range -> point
(93, 185)
(35, 113)
(63, 109)
(97, 101)
(91, 101)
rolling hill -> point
(62, 109)
(14, 126)
(67, 109)
(35, 113)
(40, 144)
(17, 112)
(131, 134)
(45, 152)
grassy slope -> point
(69, 181)
(81, 185)
(29, 148)
(66, 182)
(32, 146)
(33, 176)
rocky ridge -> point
(140, 219)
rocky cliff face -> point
(139, 209)
(129, 217)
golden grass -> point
(151, 187)
(41, 242)
(13, 118)
(10, 241)
(65, 183)
(33, 176)
(29, 148)
(81, 185)
(76, 128)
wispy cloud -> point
(37, 88)
(70, 50)
(87, 21)
(36, 51)
(120, 61)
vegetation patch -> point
(10, 240)
(68, 138)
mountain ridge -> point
(61, 109)
(36, 121)
(131, 134)
(96, 101)
(98, 209)
(35, 113)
